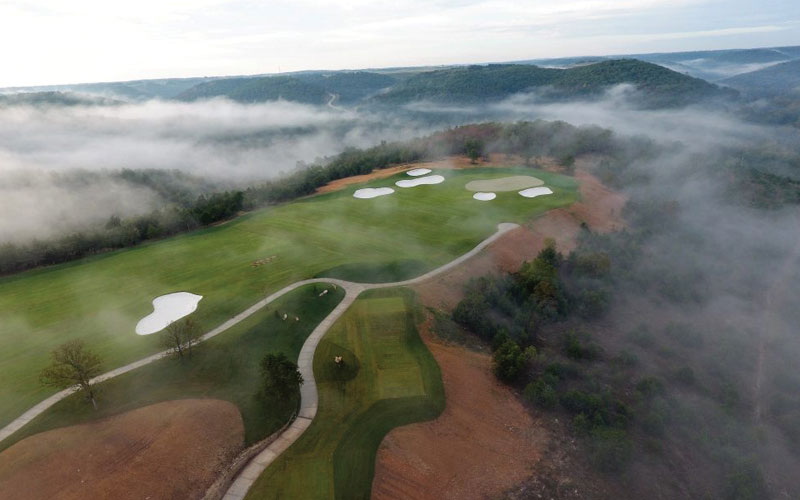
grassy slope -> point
(390, 379)
(226, 367)
(100, 299)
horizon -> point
(214, 38)
(388, 68)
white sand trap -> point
(365, 193)
(484, 196)
(410, 183)
(513, 183)
(166, 309)
(419, 171)
(534, 192)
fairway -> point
(388, 379)
(225, 367)
(101, 299)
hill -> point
(309, 88)
(782, 78)
(711, 65)
(659, 86)
(53, 99)
(135, 90)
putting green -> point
(101, 299)
(388, 379)
(511, 183)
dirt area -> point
(485, 443)
(600, 208)
(163, 451)
(495, 160)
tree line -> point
(192, 206)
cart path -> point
(308, 391)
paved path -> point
(308, 391)
(305, 362)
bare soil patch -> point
(495, 160)
(600, 208)
(164, 451)
(485, 443)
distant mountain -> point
(780, 79)
(711, 65)
(309, 88)
(658, 86)
(53, 99)
(250, 90)
(135, 90)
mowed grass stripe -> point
(389, 379)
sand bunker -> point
(166, 309)
(534, 192)
(419, 171)
(513, 183)
(484, 196)
(372, 192)
(431, 179)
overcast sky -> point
(58, 41)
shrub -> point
(611, 449)
(650, 387)
(508, 361)
(541, 394)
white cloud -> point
(51, 41)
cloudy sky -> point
(57, 41)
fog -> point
(228, 143)
(740, 261)
(216, 138)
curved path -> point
(308, 391)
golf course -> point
(386, 378)
(100, 300)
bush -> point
(650, 387)
(542, 394)
(611, 449)
(684, 335)
(684, 375)
(562, 371)
(577, 350)
(508, 361)
(745, 482)
(641, 336)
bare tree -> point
(73, 364)
(181, 336)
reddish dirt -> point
(600, 208)
(485, 442)
(164, 451)
(495, 160)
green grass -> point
(389, 379)
(225, 367)
(100, 299)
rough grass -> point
(225, 367)
(100, 299)
(396, 382)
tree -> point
(180, 337)
(508, 361)
(281, 376)
(474, 149)
(73, 364)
